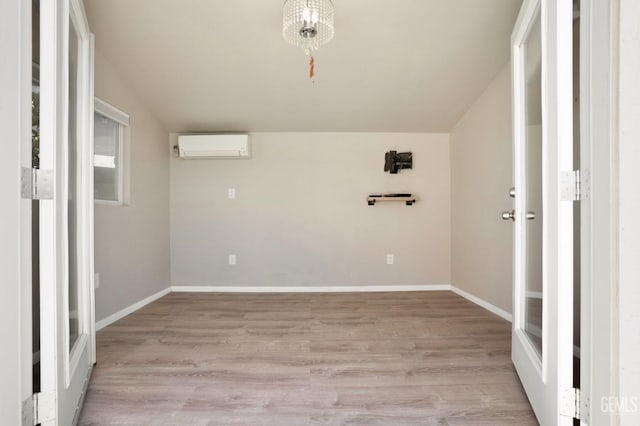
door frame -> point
(599, 328)
(626, 136)
(15, 214)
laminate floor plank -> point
(412, 358)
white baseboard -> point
(308, 289)
(300, 289)
(130, 309)
(488, 306)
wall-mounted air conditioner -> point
(217, 145)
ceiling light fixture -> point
(308, 24)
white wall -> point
(132, 242)
(301, 218)
(480, 180)
(629, 206)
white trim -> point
(79, 16)
(122, 120)
(483, 303)
(300, 289)
(49, 253)
(309, 289)
(130, 309)
(109, 111)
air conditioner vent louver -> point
(213, 146)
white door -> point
(66, 278)
(15, 212)
(542, 338)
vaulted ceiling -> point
(222, 65)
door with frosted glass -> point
(542, 338)
(66, 221)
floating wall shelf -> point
(408, 199)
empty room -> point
(306, 212)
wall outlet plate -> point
(231, 193)
(390, 259)
(232, 259)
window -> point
(110, 133)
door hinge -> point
(573, 405)
(36, 184)
(570, 186)
(44, 407)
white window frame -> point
(122, 118)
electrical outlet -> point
(96, 280)
(232, 259)
(231, 193)
(390, 259)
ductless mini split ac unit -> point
(212, 146)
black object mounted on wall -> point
(406, 198)
(395, 161)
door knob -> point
(509, 215)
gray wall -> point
(132, 242)
(480, 180)
(301, 218)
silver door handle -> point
(512, 192)
(509, 215)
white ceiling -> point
(222, 65)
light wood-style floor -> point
(415, 358)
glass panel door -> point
(542, 344)
(72, 206)
(66, 221)
(533, 296)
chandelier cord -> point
(312, 68)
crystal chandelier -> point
(308, 24)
